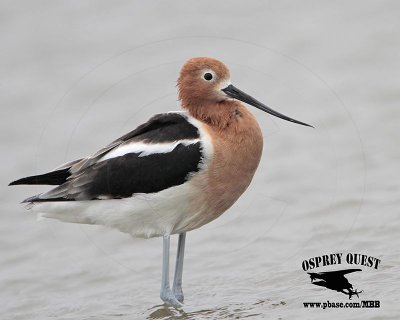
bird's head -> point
(204, 82)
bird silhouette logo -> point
(335, 280)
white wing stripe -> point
(145, 149)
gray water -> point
(76, 75)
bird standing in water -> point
(170, 175)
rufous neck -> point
(219, 114)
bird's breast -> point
(237, 150)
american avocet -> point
(172, 174)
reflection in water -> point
(234, 311)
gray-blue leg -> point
(166, 294)
(177, 287)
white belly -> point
(144, 215)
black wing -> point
(122, 176)
(161, 128)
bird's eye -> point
(208, 76)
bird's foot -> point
(169, 298)
(178, 293)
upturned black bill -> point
(235, 93)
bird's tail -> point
(56, 177)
